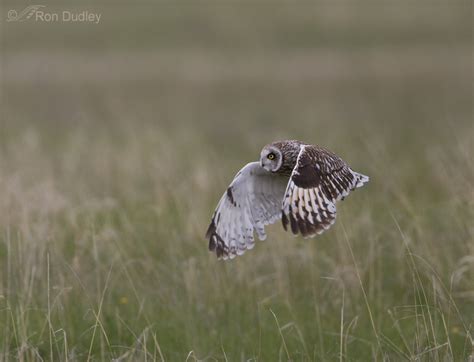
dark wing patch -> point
(215, 241)
(307, 175)
(231, 196)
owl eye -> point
(271, 156)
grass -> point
(112, 160)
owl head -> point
(271, 158)
(280, 156)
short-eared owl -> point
(294, 181)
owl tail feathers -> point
(360, 179)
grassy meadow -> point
(117, 140)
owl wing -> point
(319, 179)
(252, 201)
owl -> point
(296, 182)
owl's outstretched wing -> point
(252, 201)
(319, 179)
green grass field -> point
(118, 139)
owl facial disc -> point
(271, 158)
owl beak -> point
(264, 166)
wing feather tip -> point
(361, 179)
(284, 221)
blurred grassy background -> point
(117, 140)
